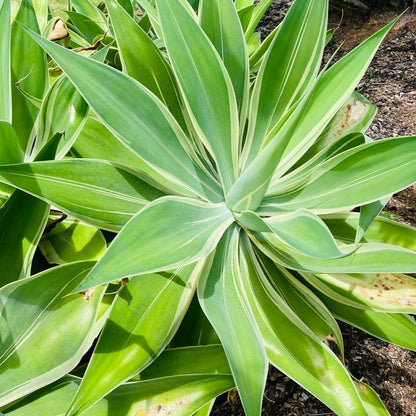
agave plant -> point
(242, 200)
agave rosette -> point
(230, 173)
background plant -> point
(229, 170)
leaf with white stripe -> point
(95, 191)
(288, 70)
(367, 258)
(137, 118)
(205, 85)
(144, 317)
(168, 233)
(292, 347)
(142, 60)
(225, 305)
(282, 149)
(356, 177)
(228, 39)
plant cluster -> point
(195, 203)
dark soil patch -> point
(390, 83)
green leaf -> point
(137, 118)
(258, 13)
(110, 149)
(5, 70)
(288, 70)
(396, 328)
(178, 395)
(368, 213)
(355, 177)
(300, 230)
(292, 347)
(371, 401)
(71, 240)
(39, 316)
(41, 10)
(143, 61)
(367, 258)
(305, 232)
(29, 73)
(10, 150)
(88, 28)
(209, 359)
(385, 292)
(173, 232)
(344, 227)
(62, 110)
(303, 302)
(205, 85)
(97, 192)
(355, 115)
(299, 175)
(220, 21)
(144, 317)
(225, 305)
(89, 9)
(22, 221)
(291, 138)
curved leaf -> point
(97, 192)
(137, 118)
(62, 110)
(396, 328)
(168, 233)
(367, 258)
(344, 227)
(144, 317)
(38, 316)
(292, 347)
(22, 221)
(71, 240)
(288, 70)
(143, 61)
(29, 73)
(225, 306)
(355, 177)
(228, 39)
(205, 85)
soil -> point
(390, 83)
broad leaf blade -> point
(71, 240)
(292, 347)
(355, 177)
(303, 302)
(38, 316)
(290, 66)
(29, 73)
(367, 258)
(136, 117)
(285, 146)
(10, 150)
(228, 39)
(22, 221)
(383, 292)
(62, 110)
(344, 227)
(173, 232)
(305, 232)
(224, 304)
(143, 61)
(97, 192)
(144, 317)
(205, 85)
